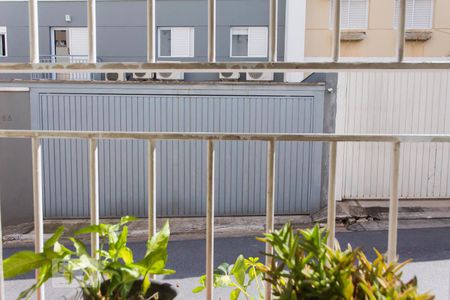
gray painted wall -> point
(15, 160)
(121, 26)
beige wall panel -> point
(378, 43)
(381, 14)
(318, 43)
(317, 14)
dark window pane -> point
(239, 45)
(165, 37)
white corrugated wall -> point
(393, 102)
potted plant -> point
(111, 273)
(304, 267)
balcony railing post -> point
(210, 221)
(33, 31)
(92, 31)
(401, 31)
(151, 31)
(151, 177)
(273, 28)
(93, 193)
(331, 222)
(336, 30)
(36, 149)
(270, 207)
(211, 30)
(393, 204)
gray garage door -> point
(181, 168)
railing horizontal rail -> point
(311, 137)
(215, 67)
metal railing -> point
(211, 138)
(63, 59)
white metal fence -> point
(212, 66)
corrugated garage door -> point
(181, 168)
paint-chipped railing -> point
(211, 138)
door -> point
(70, 45)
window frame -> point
(170, 28)
(396, 16)
(247, 27)
(4, 33)
(331, 17)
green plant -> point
(112, 273)
(303, 267)
(238, 276)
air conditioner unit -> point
(229, 75)
(143, 76)
(170, 76)
(114, 77)
(259, 76)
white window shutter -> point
(78, 41)
(182, 42)
(419, 14)
(354, 14)
(257, 41)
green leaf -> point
(23, 262)
(126, 254)
(101, 229)
(239, 269)
(234, 295)
(198, 289)
(127, 219)
(54, 238)
(80, 247)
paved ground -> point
(428, 247)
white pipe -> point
(331, 221)
(401, 31)
(211, 30)
(93, 193)
(336, 30)
(210, 221)
(393, 203)
(92, 31)
(270, 208)
(151, 31)
(273, 28)
(36, 150)
(33, 31)
(151, 177)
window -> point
(419, 14)
(3, 50)
(176, 42)
(354, 14)
(249, 42)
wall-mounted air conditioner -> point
(170, 76)
(259, 76)
(229, 75)
(114, 77)
(143, 76)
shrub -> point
(304, 267)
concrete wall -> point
(381, 36)
(15, 160)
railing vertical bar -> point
(33, 31)
(2, 277)
(92, 31)
(151, 177)
(336, 30)
(151, 31)
(36, 149)
(210, 221)
(270, 207)
(331, 221)
(401, 31)
(393, 204)
(273, 28)
(93, 193)
(211, 30)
